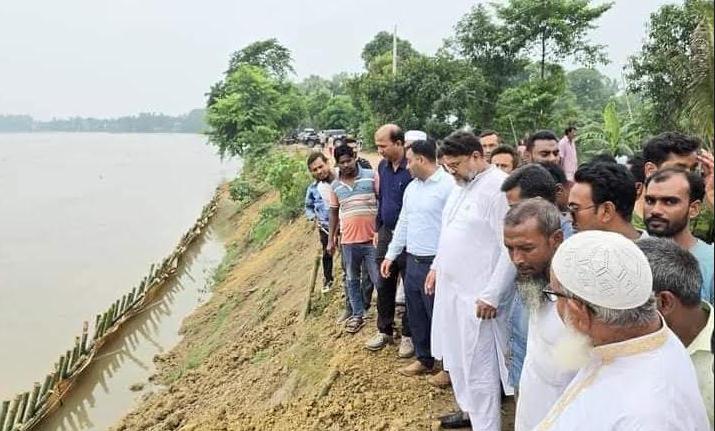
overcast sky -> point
(107, 58)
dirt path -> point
(249, 362)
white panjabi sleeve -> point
(502, 277)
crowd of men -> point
(579, 288)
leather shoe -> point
(455, 420)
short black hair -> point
(569, 129)
(674, 269)
(343, 150)
(657, 149)
(603, 158)
(425, 148)
(460, 143)
(315, 155)
(533, 181)
(556, 171)
(507, 149)
(488, 133)
(637, 167)
(610, 182)
(397, 135)
(541, 135)
(696, 189)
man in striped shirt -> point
(353, 203)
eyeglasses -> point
(452, 167)
(554, 296)
(573, 209)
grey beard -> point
(531, 291)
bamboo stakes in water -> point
(26, 409)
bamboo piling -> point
(27, 409)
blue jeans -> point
(355, 256)
(518, 332)
(419, 306)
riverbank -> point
(248, 361)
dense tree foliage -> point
(673, 73)
(500, 69)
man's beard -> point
(531, 289)
(668, 229)
(572, 350)
(463, 181)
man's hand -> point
(374, 240)
(330, 247)
(485, 311)
(706, 160)
(385, 268)
(430, 282)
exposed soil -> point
(249, 362)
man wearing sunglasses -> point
(602, 198)
(532, 233)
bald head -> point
(390, 140)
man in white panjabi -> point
(532, 233)
(634, 373)
(473, 273)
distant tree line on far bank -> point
(193, 122)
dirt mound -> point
(249, 362)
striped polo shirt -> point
(358, 206)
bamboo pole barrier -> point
(28, 408)
(311, 287)
(10, 424)
(3, 414)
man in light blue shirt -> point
(672, 198)
(417, 231)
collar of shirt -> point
(609, 352)
(360, 173)
(702, 341)
(434, 178)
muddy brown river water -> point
(82, 216)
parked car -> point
(309, 137)
(338, 136)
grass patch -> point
(213, 339)
(219, 274)
(267, 224)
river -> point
(82, 216)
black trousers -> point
(419, 306)
(327, 259)
(387, 287)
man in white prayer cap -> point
(414, 135)
(633, 372)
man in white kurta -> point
(638, 376)
(472, 265)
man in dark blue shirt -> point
(393, 180)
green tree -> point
(246, 118)
(553, 29)
(530, 105)
(486, 45)
(266, 54)
(591, 89)
(660, 73)
(699, 109)
(381, 44)
(339, 113)
(612, 136)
